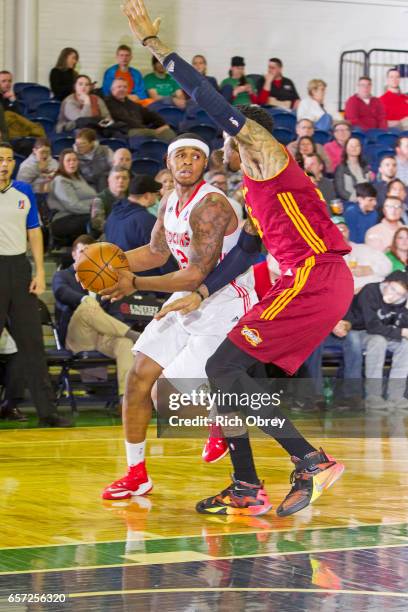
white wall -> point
(308, 35)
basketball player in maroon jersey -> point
(313, 293)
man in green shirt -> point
(237, 88)
(158, 83)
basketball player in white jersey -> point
(198, 226)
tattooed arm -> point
(210, 221)
(261, 154)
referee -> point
(18, 291)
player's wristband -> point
(146, 38)
(200, 294)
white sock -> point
(135, 453)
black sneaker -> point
(239, 498)
(9, 412)
(55, 420)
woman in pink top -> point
(380, 236)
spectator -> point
(95, 160)
(312, 107)
(200, 64)
(71, 198)
(305, 146)
(220, 181)
(278, 90)
(8, 98)
(380, 313)
(314, 163)
(139, 120)
(117, 189)
(158, 83)
(351, 171)
(130, 224)
(362, 215)
(19, 289)
(237, 88)
(402, 158)
(63, 75)
(366, 264)
(165, 177)
(398, 253)
(397, 188)
(82, 108)
(84, 325)
(380, 236)
(123, 70)
(3, 125)
(363, 109)
(17, 126)
(305, 127)
(335, 148)
(394, 102)
(122, 157)
(39, 168)
(387, 171)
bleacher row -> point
(37, 105)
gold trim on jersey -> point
(301, 223)
(275, 175)
(282, 300)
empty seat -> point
(49, 109)
(60, 144)
(283, 135)
(145, 165)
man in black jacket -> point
(379, 314)
(139, 120)
(83, 323)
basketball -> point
(94, 267)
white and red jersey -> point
(223, 309)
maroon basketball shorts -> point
(297, 314)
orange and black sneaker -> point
(239, 498)
(311, 476)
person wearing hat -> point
(130, 224)
(237, 88)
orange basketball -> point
(94, 266)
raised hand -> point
(139, 21)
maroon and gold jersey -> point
(291, 217)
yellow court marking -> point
(209, 558)
(177, 556)
(237, 590)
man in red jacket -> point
(363, 109)
(395, 102)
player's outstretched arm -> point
(262, 155)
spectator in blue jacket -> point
(122, 70)
(362, 215)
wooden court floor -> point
(349, 551)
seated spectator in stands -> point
(139, 120)
(123, 70)
(158, 83)
(364, 110)
(71, 198)
(397, 188)
(3, 126)
(122, 157)
(237, 88)
(278, 90)
(82, 108)
(17, 126)
(312, 107)
(398, 253)
(334, 149)
(117, 189)
(395, 102)
(380, 316)
(63, 75)
(95, 160)
(402, 158)
(84, 325)
(380, 236)
(366, 264)
(387, 171)
(313, 163)
(220, 180)
(165, 178)
(130, 224)
(305, 127)
(39, 168)
(305, 146)
(351, 171)
(362, 215)
(200, 64)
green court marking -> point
(217, 546)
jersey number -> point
(182, 259)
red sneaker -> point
(216, 446)
(136, 482)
